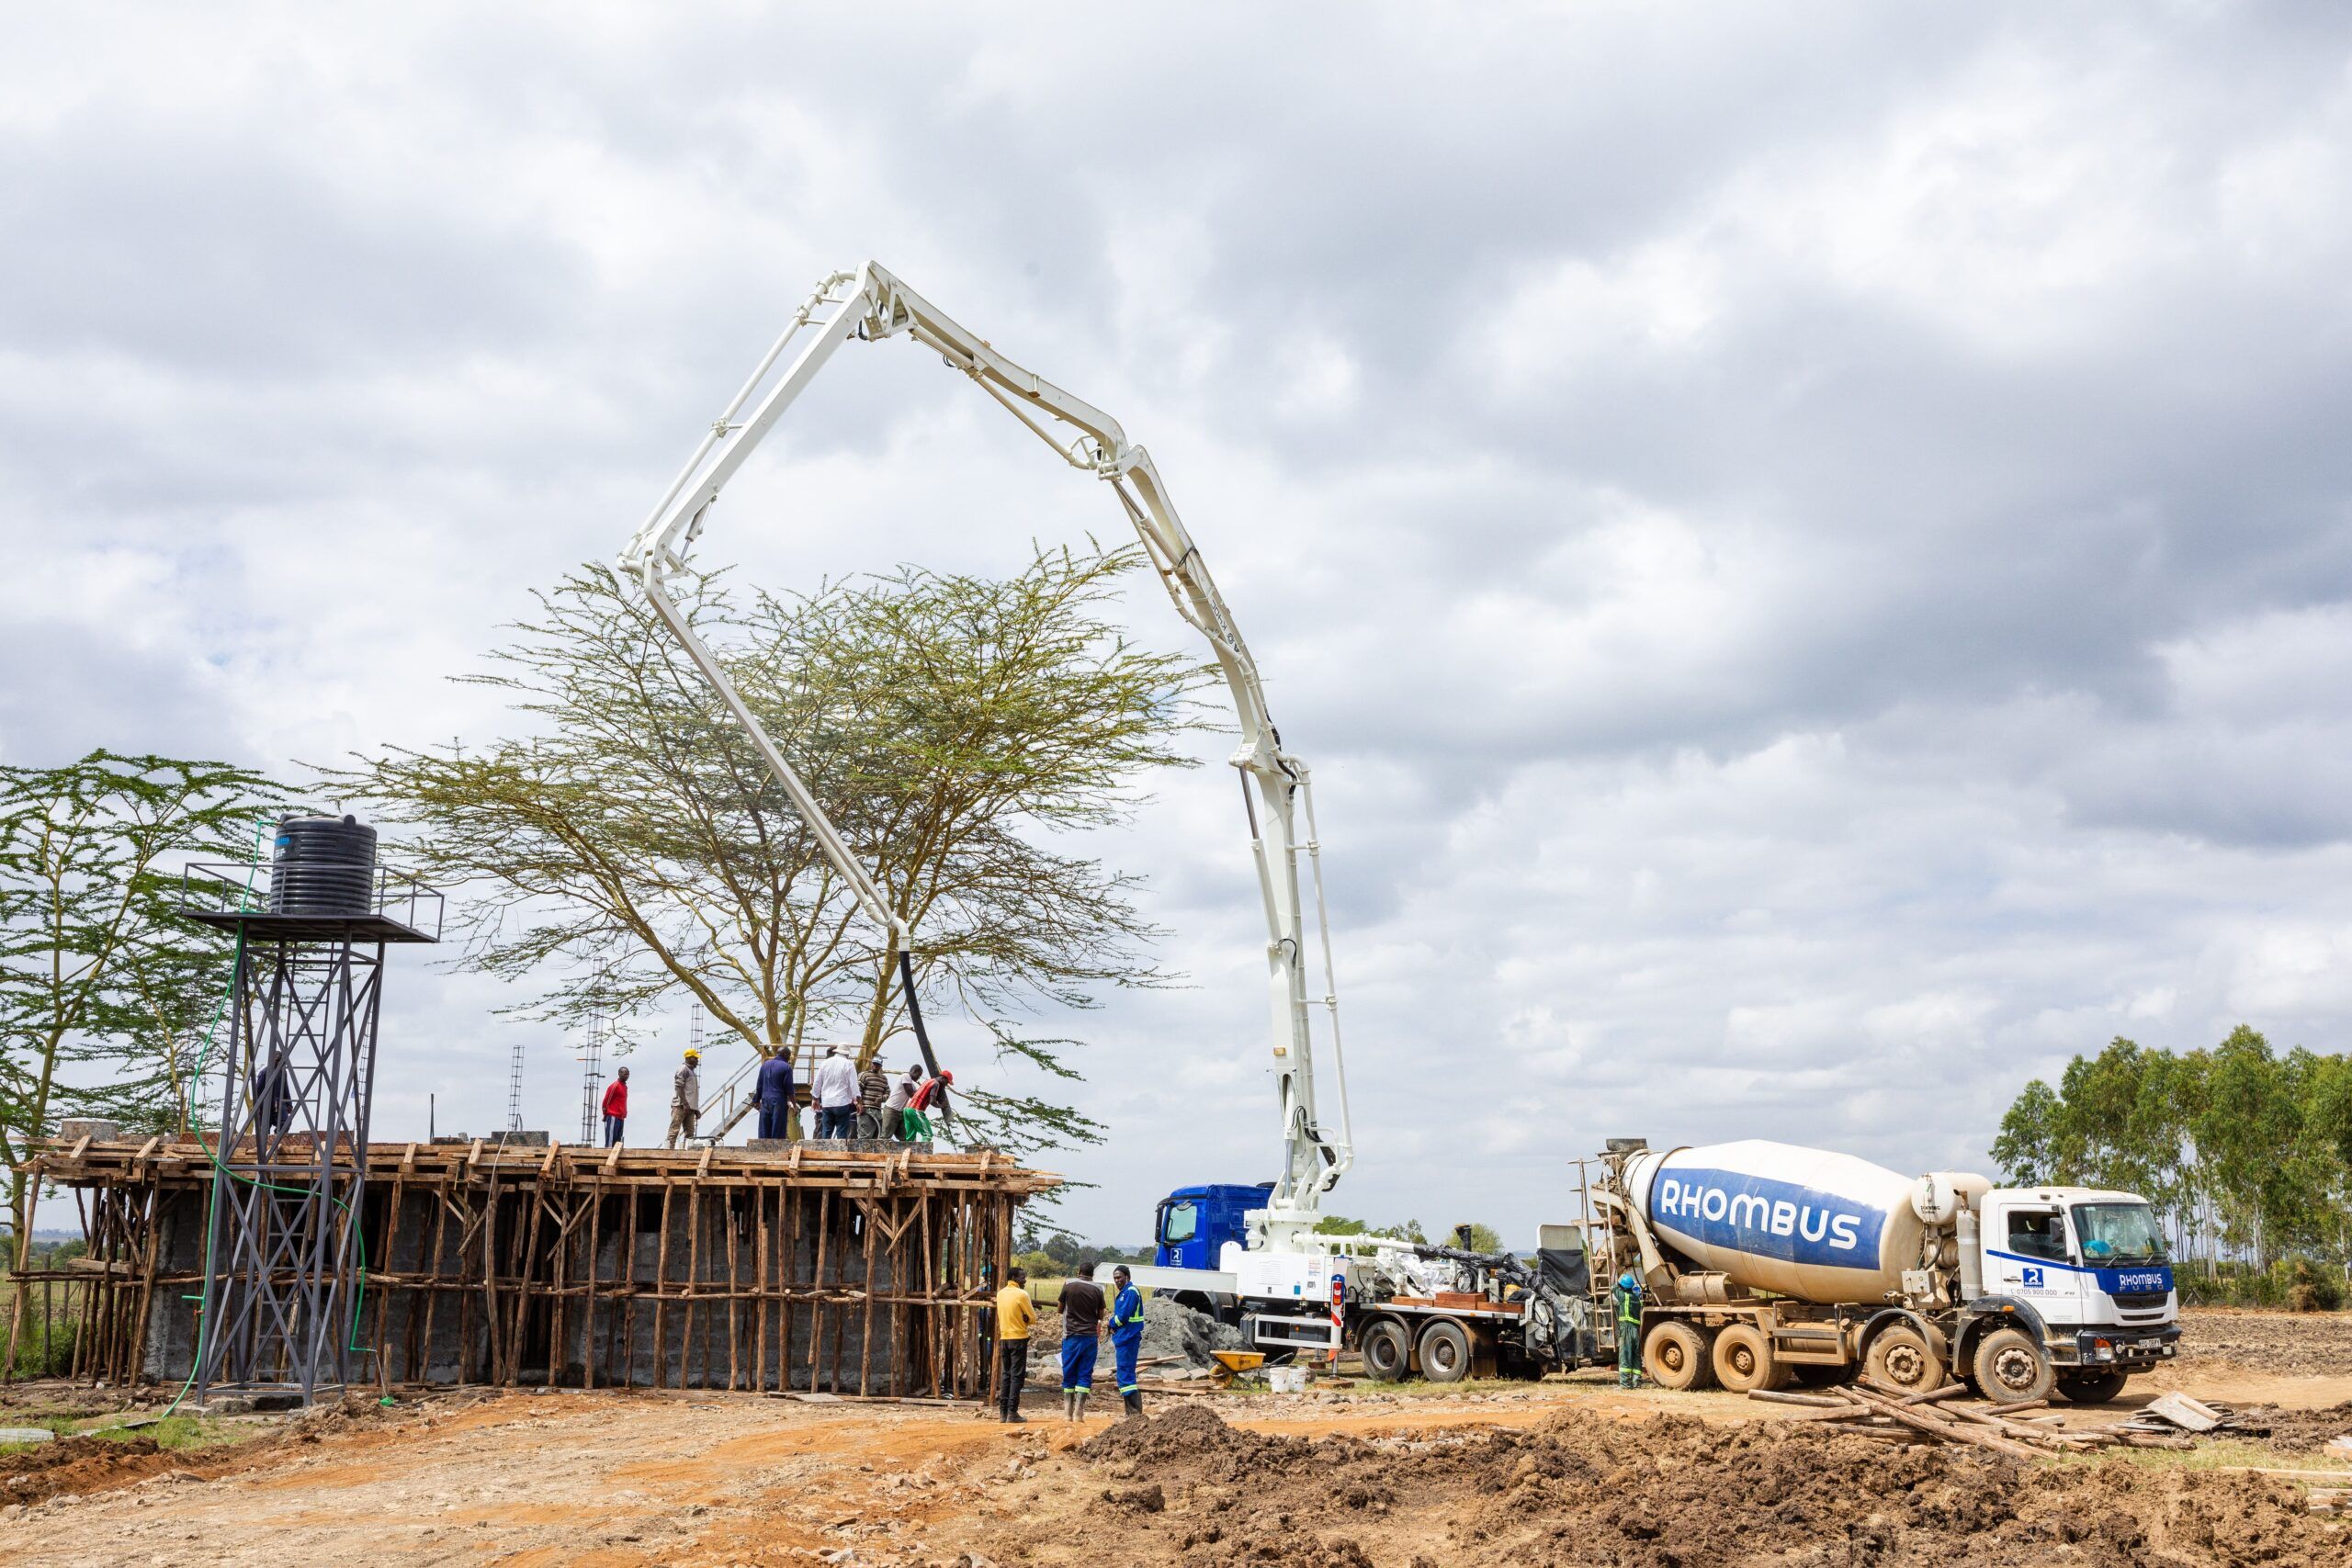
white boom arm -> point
(871, 304)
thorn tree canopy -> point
(961, 731)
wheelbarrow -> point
(1231, 1365)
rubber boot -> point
(1134, 1403)
(1080, 1414)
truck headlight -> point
(2102, 1350)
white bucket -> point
(1286, 1380)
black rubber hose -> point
(914, 1012)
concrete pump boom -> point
(871, 304)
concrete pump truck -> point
(1288, 1264)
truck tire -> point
(2091, 1388)
(1901, 1359)
(2011, 1368)
(1445, 1351)
(1387, 1351)
(1675, 1357)
(1744, 1359)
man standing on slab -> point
(685, 1099)
(616, 1107)
(775, 1093)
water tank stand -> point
(285, 1244)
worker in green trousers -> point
(1629, 1331)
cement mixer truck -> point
(1764, 1263)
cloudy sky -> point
(1809, 547)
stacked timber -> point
(2021, 1431)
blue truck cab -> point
(1194, 1222)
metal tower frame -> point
(284, 1247)
(592, 1083)
(514, 1088)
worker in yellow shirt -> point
(1015, 1316)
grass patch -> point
(171, 1432)
(2219, 1453)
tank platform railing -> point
(228, 894)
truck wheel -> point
(1445, 1352)
(1675, 1357)
(2091, 1388)
(1744, 1359)
(2011, 1368)
(1900, 1359)
(1387, 1353)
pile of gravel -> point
(1169, 1329)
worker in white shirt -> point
(894, 1106)
(834, 1088)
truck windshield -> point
(2118, 1233)
(1184, 1222)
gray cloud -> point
(1811, 552)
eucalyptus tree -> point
(2249, 1152)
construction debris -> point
(1932, 1418)
(2177, 1413)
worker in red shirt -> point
(615, 1108)
(930, 1096)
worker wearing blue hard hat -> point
(1628, 1330)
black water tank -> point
(324, 866)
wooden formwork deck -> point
(820, 1266)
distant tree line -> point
(1470, 1236)
(2245, 1152)
(1061, 1254)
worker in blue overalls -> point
(1126, 1336)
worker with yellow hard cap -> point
(685, 1099)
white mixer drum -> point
(1803, 1223)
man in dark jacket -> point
(775, 1092)
(1081, 1326)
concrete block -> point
(96, 1129)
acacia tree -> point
(959, 730)
(102, 988)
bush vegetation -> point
(2245, 1154)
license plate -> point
(2147, 1344)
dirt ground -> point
(1568, 1470)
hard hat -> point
(1626, 1279)
(946, 1074)
(692, 1055)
